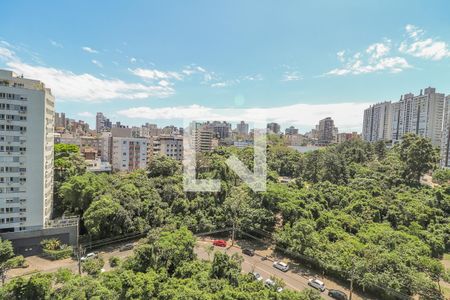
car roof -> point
(282, 263)
(318, 281)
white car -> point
(88, 256)
(271, 284)
(256, 276)
(317, 284)
(281, 266)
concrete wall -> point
(27, 243)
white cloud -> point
(153, 74)
(133, 60)
(375, 58)
(67, 85)
(419, 46)
(86, 114)
(292, 76)
(56, 44)
(347, 116)
(97, 63)
(89, 49)
(6, 54)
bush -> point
(441, 176)
(18, 262)
(65, 252)
(114, 261)
(93, 266)
(51, 244)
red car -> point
(220, 243)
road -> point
(293, 279)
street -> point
(295, 279)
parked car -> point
(248, 251)
(339, 295)
(220, 243)
(256, 276)
(282, 266)
(127, 247)
(271, 284)
(317, 284)
(88, 256)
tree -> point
(417, 155)
(162, 165)
(226, 267)
(104, 218)
(6, 255)
(93, 266)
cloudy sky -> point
(294, 61)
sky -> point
(161, 61)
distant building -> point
(273, 128)
(326, 132)
(98, 166)
(422, 114)
(242, 128)
(445, 144)
(102, 123)
(342, 137)
(168, 145)
(129, 154)
(291, 130)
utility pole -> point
(352, 274)
(233, 232)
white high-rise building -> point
(129, 153)
(422, 115)
(445, 144)
(26, 153)
(377, 122)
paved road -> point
(293, 280)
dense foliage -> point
(353, 210)
(164, 267)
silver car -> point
(282, 266)
(317, 284)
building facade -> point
(445, 144)
(128, 153)
(377, 122)
(326, 132)
(26, 153)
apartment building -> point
(326, 132)
(129, 153)
(26, 153)
(377, 122)
(242, 128)
(445, 144)
(422, 114)
(273, 128)
(168, 145)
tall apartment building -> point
(445, 144)
(102, 123)
(129, 153)
(377, 122)
(422, 114)
(242, 128)
(26, 153)
(326, 131)
(273, 128)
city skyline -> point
(145, 74)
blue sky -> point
(152, 61)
